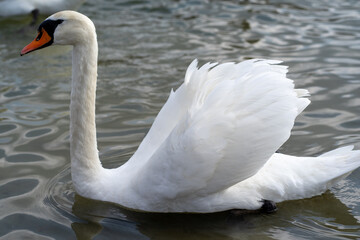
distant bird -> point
(10, 8)
(212, 146)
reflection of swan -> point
(211, 147)
(300, 218)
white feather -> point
(237, 117)
(287, 177)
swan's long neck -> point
(85, 163)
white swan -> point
(211, 147)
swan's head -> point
(62, 28)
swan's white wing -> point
(223, 126)
(169, 116)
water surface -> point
(145, 47)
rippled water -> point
(145, 47)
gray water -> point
(144, 49)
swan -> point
(211, 148)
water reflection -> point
(145, 47)
(322, 217)
(32, 226)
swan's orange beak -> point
(42, 40)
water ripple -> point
(145, 47)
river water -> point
(144, 49)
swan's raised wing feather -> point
(232, 118)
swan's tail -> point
(288, 178)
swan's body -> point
(211, 147)
(23, 7)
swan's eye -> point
(39, 36)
